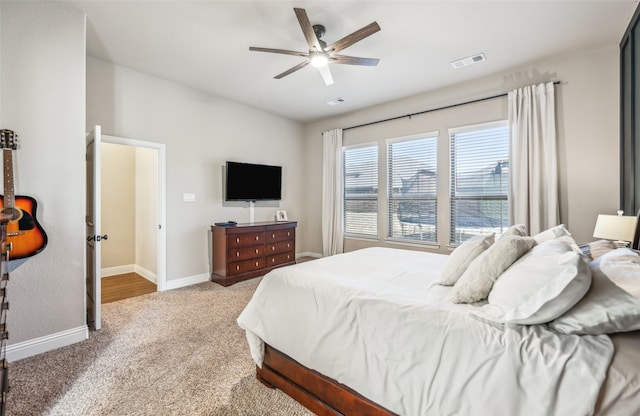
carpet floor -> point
(178, 352)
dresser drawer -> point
(282, 258)
(280, 235)
(245, 239)
(245, 266)
(243, 253)
(281, 247)
(250, 250)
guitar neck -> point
(9, 192)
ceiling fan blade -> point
(307, 30)
(356, 36)
(326, 74)
(282, 51)
(294, 69)
(354, 60)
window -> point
(412, 179)
(479, 181)
(360, 173)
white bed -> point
(377, 321)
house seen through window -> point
(479, 181)
(412, 187)
(360, 176)
(408, 210)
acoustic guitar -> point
(25, 236)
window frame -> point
(372, 198)
(388, 217)
(452, 198)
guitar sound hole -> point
(13, 213)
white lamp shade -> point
(615, 227)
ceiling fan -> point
(320, 54)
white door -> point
(94, 290)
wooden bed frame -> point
(318, 393)
(323, 395)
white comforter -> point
(376, 321)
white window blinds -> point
(479, 181)
(412, 179)
(360, 173)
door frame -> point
(161, 267)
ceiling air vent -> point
(468, 60)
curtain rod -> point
(433, 109)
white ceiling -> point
(205, 44)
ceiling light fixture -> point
(319, 59)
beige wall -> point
(146, 199)
(129, 208)
(587, 127)
(118, 205)
(42, 96)
(201, 132)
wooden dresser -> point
(244, 251)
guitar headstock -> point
(8, 139)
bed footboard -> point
(316, 392)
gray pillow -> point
(476, 282)
(462, 256)
(518, 229)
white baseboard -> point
(187, 281)
(116, 270)
(129, 268)
(147, 274)
(47, 343)
(309, 254)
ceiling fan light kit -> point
(319, 59)
(320, 54)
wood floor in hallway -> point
(125, 286)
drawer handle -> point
(237, 268)
(256, 264)
(288, 245)
(257, 237)
(273, 260)
(288, 233)
(288, 256)
(237, 254)
(237, 239)
(273, 236)
(256, 251)
(273, 248)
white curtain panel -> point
(332, 235)
(533, 189)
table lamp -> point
(619, 228)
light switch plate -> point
(189, 197)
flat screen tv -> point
(252, 182)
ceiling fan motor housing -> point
(320, 30)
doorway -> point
(93, 218)
(129, 195)
(129, 191)
(141, 230)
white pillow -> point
(613, 302)
(462, 256)
(475, 283)
(542, 285)
(518, 229)
(551, 233)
